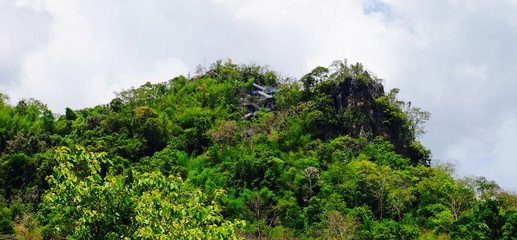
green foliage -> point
(6, 223)
(390, 229)
(19, 171)
(84, 201)
(414, 117)
(333, 157)
(317, 75)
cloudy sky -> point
(454, 58)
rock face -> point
(265, 98)
(361, 115)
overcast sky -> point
(454, 58)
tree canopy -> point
(332, 156)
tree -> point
(226, 133)
(70, 115)
(317, 75)
(6, 223)
(4, 98)
(416, 117)
(458, 196)
(400, 196)
(85, 201)
(19, 170)
(378, 182)
(311, 174)
(144, 112)
(339, 226)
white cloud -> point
(501, 166)
(463, 74)
(87, 59)
(23, 30)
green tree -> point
(87, 202)
(316, 76)
(6, 223)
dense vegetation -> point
(335, 157)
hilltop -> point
(239, 152)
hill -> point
(239, 152)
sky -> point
(456, 59)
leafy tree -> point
(226, 134)
(319, 74)
(84, 201)
(339, 226)
(19, 171)
(70, 115)
(390, 229)
(6, 223)
(458, 197)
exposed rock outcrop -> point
(361, 115)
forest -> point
(239, 152)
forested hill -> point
(239, 152)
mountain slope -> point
(238, 152)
